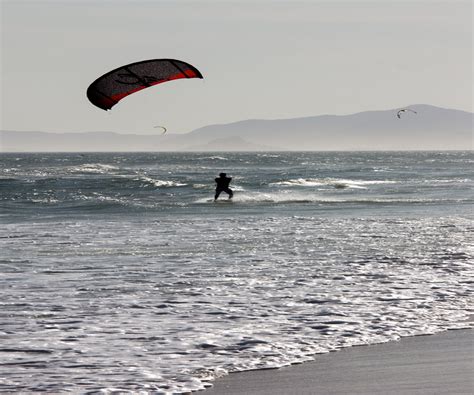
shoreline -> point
(430, 364)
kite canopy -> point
(106, 91)
(400, 112)
(162, 127)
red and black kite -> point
(106, 91)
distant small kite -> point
(405, 110)
(162, 127)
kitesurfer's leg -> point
(218, 192)
(229, 191)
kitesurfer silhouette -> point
(223, 186)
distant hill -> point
(432, 128)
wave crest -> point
(334, 182)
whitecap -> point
(160, 183)
(94, 168)
(334, 182)
(213, 158)
(299, 182)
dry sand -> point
(437, 364)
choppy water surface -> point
(119, 273)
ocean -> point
(119, 273)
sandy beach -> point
(439, 364)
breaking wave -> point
(333, 182)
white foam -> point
(334, 182)
(213, 158)
(94, 168)
(300, 182)
(185, 300)
(202, 186)
(160, 183)
(287, 197)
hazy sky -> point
(260, 59)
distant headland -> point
(430, 128)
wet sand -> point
(438, 364)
